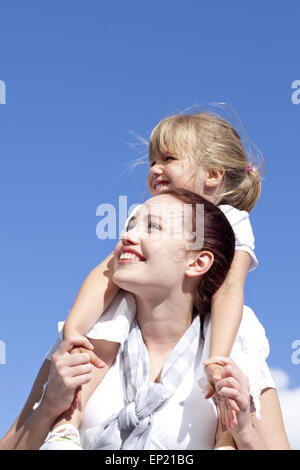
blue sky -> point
(79, 76)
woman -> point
(156, 400)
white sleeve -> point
(250, 351)
(244, 238)
(114, 324)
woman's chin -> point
(128, 283)
(123, 281)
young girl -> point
(202, 153)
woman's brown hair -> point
(218, 238)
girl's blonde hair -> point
(212, 143)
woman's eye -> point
(154, 225)
(131, 224)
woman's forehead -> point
(163, 203)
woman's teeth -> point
(130, 256)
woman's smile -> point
(128, 255)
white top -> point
(187, 420)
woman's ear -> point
(199, 266)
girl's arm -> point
(226, 315)
(227, 306)
(95, 294)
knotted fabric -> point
(130, 428)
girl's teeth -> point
(130, 256)
(159, 185)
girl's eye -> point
(168, 157)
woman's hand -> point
(228, 408)
(233, 388)
(67, 374)
(233, 396)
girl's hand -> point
(68, 372)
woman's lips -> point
(129, 256)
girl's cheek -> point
(149, 178)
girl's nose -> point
(157, 169)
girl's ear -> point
(213, 178)
(199, 266)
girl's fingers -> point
(68, 344)
(220, 360)
(213, 372)
(95, 360)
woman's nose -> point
(130, 237)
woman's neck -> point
(163, 322)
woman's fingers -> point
(229, 382)
(83, 369)
(232, 370)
